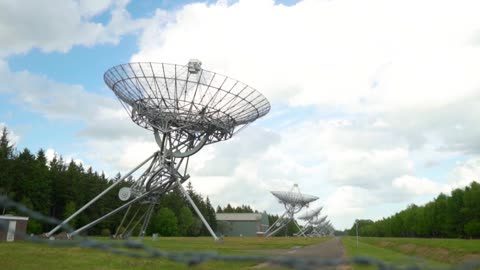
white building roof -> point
(10, 217)
(239, 216)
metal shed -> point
(241, 224)
(12, 228)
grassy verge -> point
(365, 249)
(450, 251)
(25, 255)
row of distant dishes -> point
(294, 199)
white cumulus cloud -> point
(58, 25)
(418, 186)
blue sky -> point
(373, 102)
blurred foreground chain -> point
(139, 250)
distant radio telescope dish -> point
(293, 201)
(310, 214)
(186, 107)
(319, 220)
(294, 198)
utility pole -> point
(356, 225)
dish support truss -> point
(167, 169)
(282, 222)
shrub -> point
(106, 232)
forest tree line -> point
(57, 189)
(448, 216)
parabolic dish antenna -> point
(319, 220)
(295, 198)
(323, 229)
(309, 217)
(196, 106)
(167, 96)
(293, 201)
(310, 214)
(186, 107)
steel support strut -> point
(158, 178)
(108, 214)
(197, 210)
(99, 196)
(280, 223)
(300, 231)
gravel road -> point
(331, 249)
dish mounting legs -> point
(282, 222)
(161, 176)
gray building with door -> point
(12, 228)
(241, 224)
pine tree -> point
(211, 217)
(165, 222)
(43, 183)
(56, 173)
(24, 184)
(6, 149)
(185, 221)
(228, 209)
(6, 164)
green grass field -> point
(385, 255)
(397, 251)
(418, 251)
(26, 255)
(451, 251)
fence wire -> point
(138, 249)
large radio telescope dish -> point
(195, 105)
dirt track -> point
(331, 249)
